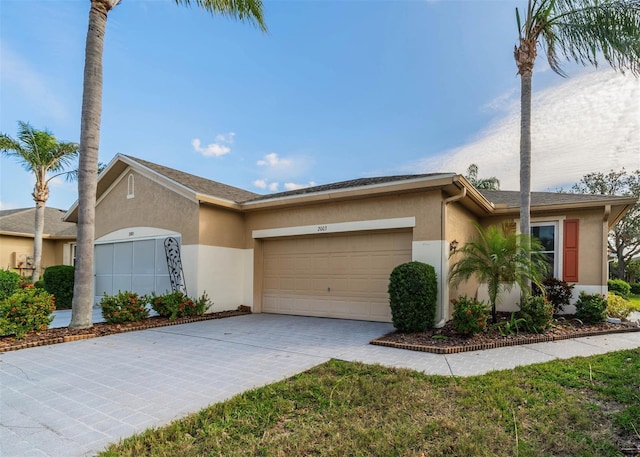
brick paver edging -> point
(64, 339)
(496, 344)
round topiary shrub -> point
(58, 281)
(413, 295)
(9, 283)
(619, 287)
(635, 288)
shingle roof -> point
(22, 221)
(511, 198)
(353, 183)
(198, 184)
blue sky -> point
(335, 90)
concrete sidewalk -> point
(73, 399)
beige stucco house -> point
(326, 250)
(16, 239)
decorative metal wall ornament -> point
(176, 275)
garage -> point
(341, 276)
(138, 266)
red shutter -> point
(570, 251)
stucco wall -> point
(424, 206)
(152, 206)
(52, 251)
(221, 227)
(459, 227)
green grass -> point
(577, 407)
(635, 302)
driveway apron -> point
(73, 399)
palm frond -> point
(243, 10)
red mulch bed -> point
(65, 334)
(446, 340)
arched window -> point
(130, 186)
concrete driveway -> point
(73, 399)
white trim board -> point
(338, 227)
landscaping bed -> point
(446, 340)
(65, 334)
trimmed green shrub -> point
(591, 308)
(618, 307)
(123, 307)
(412, 295)
(558, 292)
(39, 284)
(470, 315)
(25, 311)
(9, 283)
(537, 312)
(635, 288)
(177, 304)
(58, 280)
(619, 287)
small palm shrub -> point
(177, 304)
(123, 307)
(58, 281)
(25, 311)
(619, 287)
(618, 307)
(9, 283)
(470, 315)
(412, 296)
(591, 308)
(537, 312)
(558, 292)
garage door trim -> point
(338, 227)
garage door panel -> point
(342, 276)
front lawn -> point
(635, 302)
(583, 406)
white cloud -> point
(273, 187)
(587, 123)
(272, 160)
(260, 183)
(226, 137)
(294, 186)
(211, 150)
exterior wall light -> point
(453, 246)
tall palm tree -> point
(500, 258)
(39, 152)
(583, 31)
(243, 10)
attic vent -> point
(130, 186)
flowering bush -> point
(618, 306)
(470, 315)
(537, 312)
(177, 304)
(591, 308)
(123, 307)
(25, 311)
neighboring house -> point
(16, 239)
(326, 250)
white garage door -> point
(138, 266)
(344, 276)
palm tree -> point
(500, 258)
(492, 183)
(41, 153)
(244, 10)
(582, 31)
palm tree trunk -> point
(81, 316)
(525, 153)
(37, 240)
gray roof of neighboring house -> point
(198, 184)
(22, 221)
(353, 183)
(511, 198)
